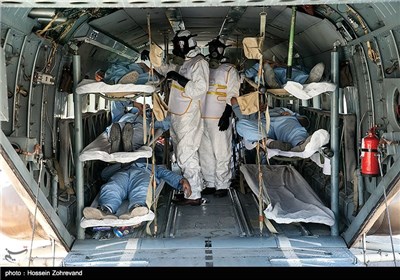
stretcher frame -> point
(149, 217)
(117, 92)
(279, 93)
(122, 92)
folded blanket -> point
(308, 91)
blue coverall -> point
(131, 183)
(282, 128)
(298, 75)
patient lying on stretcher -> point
(126, 72)
(128, 121)
(275, 74)
(127, 130)
(286, 132)
(302, 84)
(131, 183)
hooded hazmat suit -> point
(185, 104)
(216, 145)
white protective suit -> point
(185, 108)
(216, 146)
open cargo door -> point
(374, 209)
(27, 217)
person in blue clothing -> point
(127, 130)
(131, 182)
(275, 74)
(286, 131)
(126, 72)
(117, 71)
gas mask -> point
(216, 49)
(183, 43)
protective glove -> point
(223, 123)
(177, 77)
(145, 55)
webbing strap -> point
(219, 86)
(222, 94)
(263, 21)
(270, 226)
(149, 201)
(150, 189)
(174, 85)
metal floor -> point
(222, 232)
(216, 217)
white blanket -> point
(288, 196)
(307, 91)
(318, 139)
(91, 86)
(100, 149)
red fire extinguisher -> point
(369, 154)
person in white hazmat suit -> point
(216, 144)
(188, 92)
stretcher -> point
(312, 150)
(100, 148)
(281, 93)
(318, 139)
(294, 90)
(89, 223)
(287, 195)
(116, 91)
